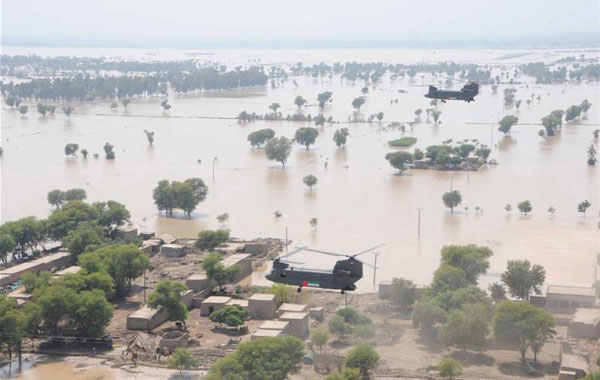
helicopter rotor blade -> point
(298, 249)
(292, 262)
(368, 250)
(367, 264)
(325, 252)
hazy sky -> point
(136, 22)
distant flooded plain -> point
(360, 200)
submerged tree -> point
(591, 155)
(149, 136)
(299, 101)
(525, 207)
(340, 137)
(274, 107)
(23, 109)
(71, 149)
(452, 199)
(165, 105)
(278, 149)
(358, 102)
(399, 160)
(68, 110)
(323, 98)
(507, 123)
(310, 180)
(306, 136)
(583, 206)
(108, 151)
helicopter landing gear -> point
(343, 292)
(299, 289)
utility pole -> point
(451, 180)
(375, 270)
(144, 285)
(214, 160)
(286, 240)
(419, 223)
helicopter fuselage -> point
(467, 93)
(343, 276)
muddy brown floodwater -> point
(359, 200)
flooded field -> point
(360, 200)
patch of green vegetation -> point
(403, 142)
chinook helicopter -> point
(467, 93)
(343, 276)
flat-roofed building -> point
(212, 304)
(298, 324)
(291, 307)
(260, 333)
(585, 323)
(146, 318)
(243, 261)
(262, 306)
(564, 298)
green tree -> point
(323, 98)
(550, 123)
(10, 100)
(299, 101)
(522, 278)
(274, 107)
(426, 313)
(340, 137)
(278, 149)
(92, 312)
(507, 123)
(583, 206)
(449, 368)
(84, 153)
(32, 281)
(283, 293)
(320, 120)
(338, 326)
(223, 218)
(319, 337)
(23, 110)
(497, 292)
(306, 136)
(68, 110)
(364, 357)
(123, 263)
(572, 113)
(452, 199)
(585, 105)
(345, 374)
(209, 240)
(310, 180)
(232, 316)
(13, 325)
(165, 105)
(112, 214)
(472, 259)
(125, 102)
(7, 245)
(258, 138)
(522, 324)
(182, 359)
(56, 302)
(466, 327)
(42, 110)
(74, 195)
(525, 207)
(261, 359)
(163, 196)
(56, 198)
(403, 293)
(168, 295)
(399, 160)
(447, 278)
(27, 233)
(216, 271)
(358, 102)
(436, 115)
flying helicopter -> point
(467, 93)
(343, 276)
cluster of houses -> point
(579, 306)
